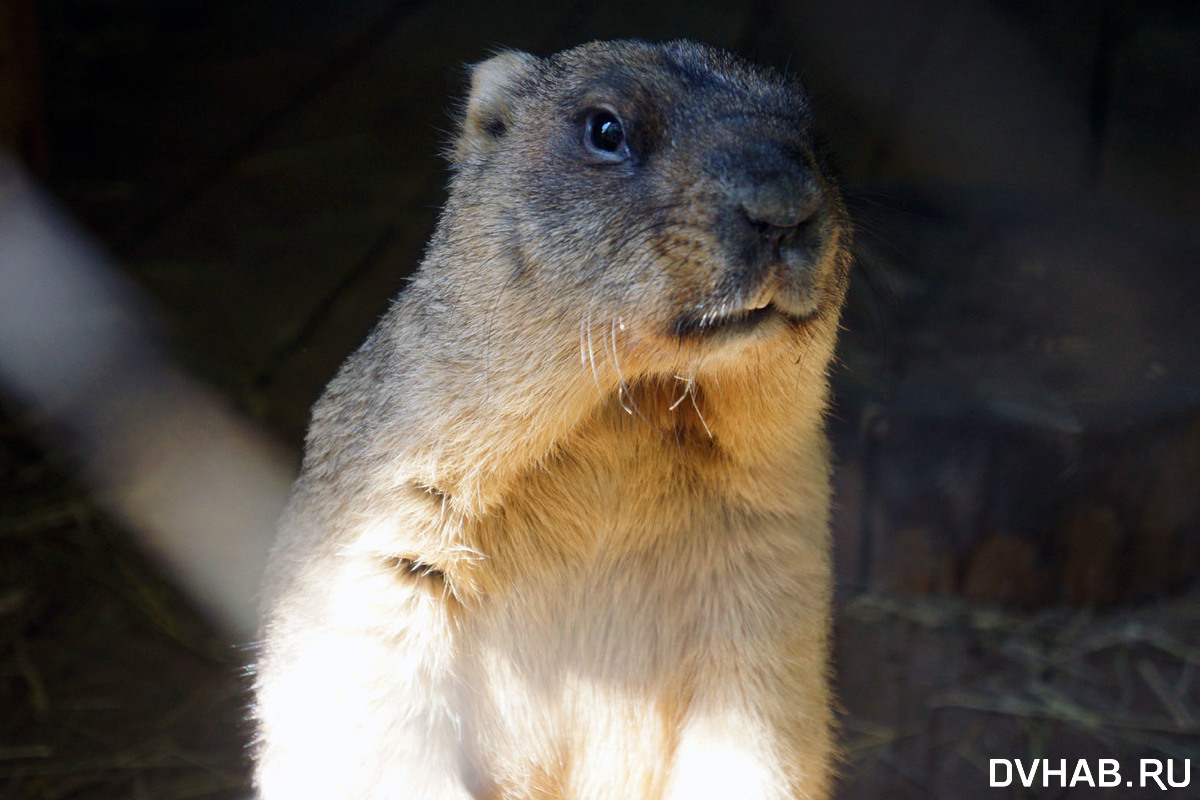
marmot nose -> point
(777, 209)
(771, 187)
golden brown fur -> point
(561, 530)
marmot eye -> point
(605, 136)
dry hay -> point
(935, 688)
(112, 687)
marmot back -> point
(561, 528)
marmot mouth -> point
(734, 323)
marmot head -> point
(665, 198)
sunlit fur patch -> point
(720, 755)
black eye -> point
(605, 136)
(605, 132)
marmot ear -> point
(494, 85)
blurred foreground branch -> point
(199, 485)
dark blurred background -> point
(1017, 415)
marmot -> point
(561, 527)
